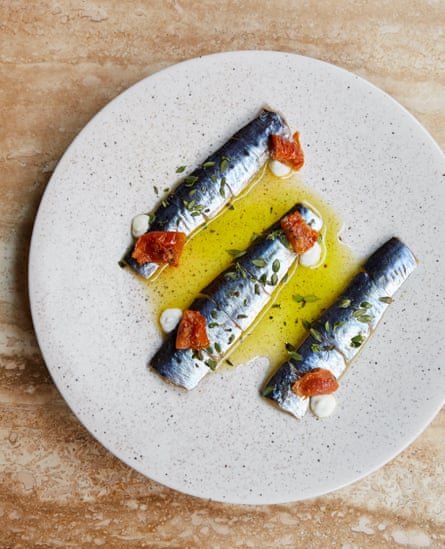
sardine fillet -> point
(232, 303)
(341, 332)
(202, 194)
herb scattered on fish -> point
(244, 152)
(211, 363)
(190, 180)
(357, 340)
(315, 334)
(365, 318)
(236, 253)
(193, 207)
(268, 390)
(338, 324)
(292, 352)
(230, 275)
(224, 163)
(241, 270)
(362, 314)
(344, 303)
(196, 353)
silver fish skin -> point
(232, 303)
(224, 174)
(270, 258)
(279, 386)
(391, 265)
(341, 331)
(186, 367)
(182, 367)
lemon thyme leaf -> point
(365, 318)
(292, 352)
(268, 390)
(357, 340)
(211, 363)
(190, 180)
(303, 299)
(224, 163)
(236, 253)
(315, 334)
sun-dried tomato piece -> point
(286, 151)
(299, 234)
(192, 331)
(316, 382)
(162, 247)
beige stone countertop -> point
(60, 62)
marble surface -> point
(60, 62)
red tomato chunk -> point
(299, 234)
(162, 247)
(192, 331)
(316, 382)
(287, 152)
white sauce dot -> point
(311, 257)
(278, 168)
(169, 319)
(323, 405)
(139, 225)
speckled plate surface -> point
(367, 157)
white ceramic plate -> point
(365, 155)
